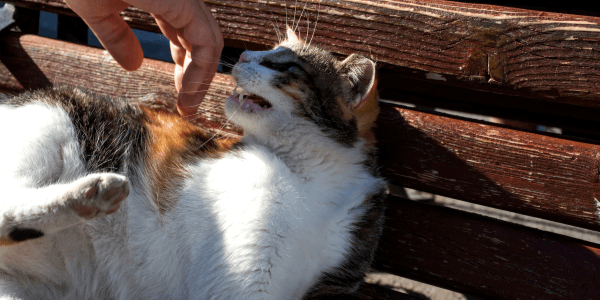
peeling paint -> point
(572, 28)
(363, 17)
(597, 209)
(500, 257)
(435, 76)
(555, 22)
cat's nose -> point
(243, 58)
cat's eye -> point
(294, 68)
(283, 67)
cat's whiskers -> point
(294, 21)
(300, 19)
(277, 32)
(316, 22)
(224, 124)
(286, 16)
(280, 36)
(307, 26)
(186, 92)
(224, 63)
(220, 61)
(325, 101)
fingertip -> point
(188, 103)
(131, 62)
(128, 53)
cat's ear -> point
(291, 36)
(360, 72)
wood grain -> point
(539, 175)
(531, 54)
(536, 174)
(483, 257)
(29, 62)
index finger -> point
(198, 32)
(199, 73)
(102, 16)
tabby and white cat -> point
(104, 199)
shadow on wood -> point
(484, 257)
(529, 173)
(21, 66)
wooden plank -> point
(539, 175)
(535, 174)
(579, 7)
(548, 56)
(29, 62)
(484, 257)
(583, 120)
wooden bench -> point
(539, 65)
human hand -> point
(196, 41)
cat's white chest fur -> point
(271, 227)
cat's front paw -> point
(100, 195)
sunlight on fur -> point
(105, 199)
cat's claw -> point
(102, 195)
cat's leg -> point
(43, 184)
(49, 209)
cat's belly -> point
(242, 227)
(261, 232)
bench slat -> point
(484, 257)
(549, 56)
(535, 174)
(539, 175)
(29, 62)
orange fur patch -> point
(366, 114)
(294, 91)
(7, 242)
(174, 142)
(347, 113)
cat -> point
(105, 199)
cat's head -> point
(298, 86)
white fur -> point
(38, 159)
(260, 223)
(276, 232)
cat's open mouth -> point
(250, 102)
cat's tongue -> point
(251, 101)
(258, 100)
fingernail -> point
(187, 104)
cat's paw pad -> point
(102, 194)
